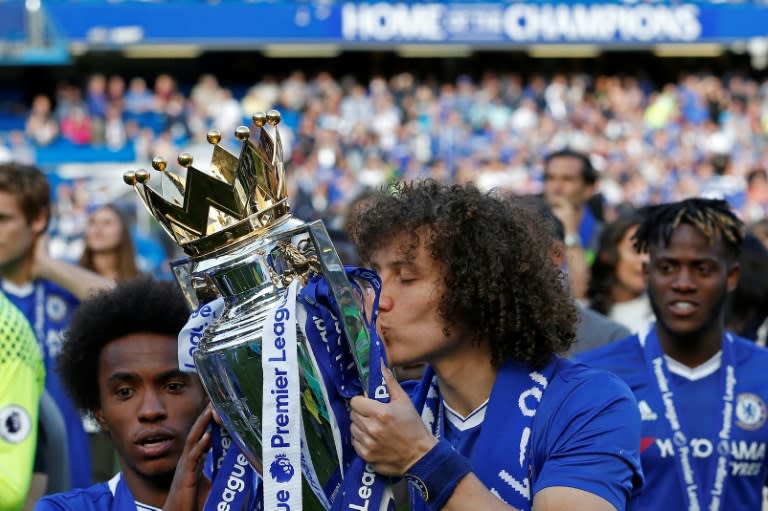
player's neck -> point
(106, 263)
(18, 272)
(466, 382)
(692, 351)
(150, 492)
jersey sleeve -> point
(49, 504)
(21, 382)
(592, 442)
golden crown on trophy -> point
(238, 197)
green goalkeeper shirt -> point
(22, 377)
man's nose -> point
(385, 302)
(684, 280)
(152, 407)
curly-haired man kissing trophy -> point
(499, 421)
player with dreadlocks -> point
(701, 390)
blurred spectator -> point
(760, 230)
(260, 97)
(747, 308)
(138, 99)
(227, 115)
(68, 97)
(41, 126)
(96, 96)
(76, 126)
(756, 200)
(109, 249)
(115, 132)
(617, 283)
(570, 175)
(21, 150)
(116, 91)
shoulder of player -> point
(51, 288)
(98, 496)
(579, 395)
(747, 351)
(574, 376)
(613, 356)
(576, 389)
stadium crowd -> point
(702, 135)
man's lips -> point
(682, 308)
(153, 444)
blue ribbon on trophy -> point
(361, 488)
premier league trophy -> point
(268, 382)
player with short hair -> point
(701, 390)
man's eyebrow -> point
(173, 373)
(126, 376)
(394, 263)
(121, 376)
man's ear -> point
(99, 416)
(40, 223)
(557, 253)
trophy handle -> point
(353, 319)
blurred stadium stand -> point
(49, 45)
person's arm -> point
(36, 490)
(576, 259)
(78, 281)
(472, 494)
(49, 504)
(591, 442)
(392, 438)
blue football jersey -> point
(584, 434)
(698, 398)
(99, 497)
(49, 309)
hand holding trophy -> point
(293, 341)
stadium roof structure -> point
(434, 28)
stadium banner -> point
(360, 25)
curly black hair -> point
(497, 274)
(140, 305)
